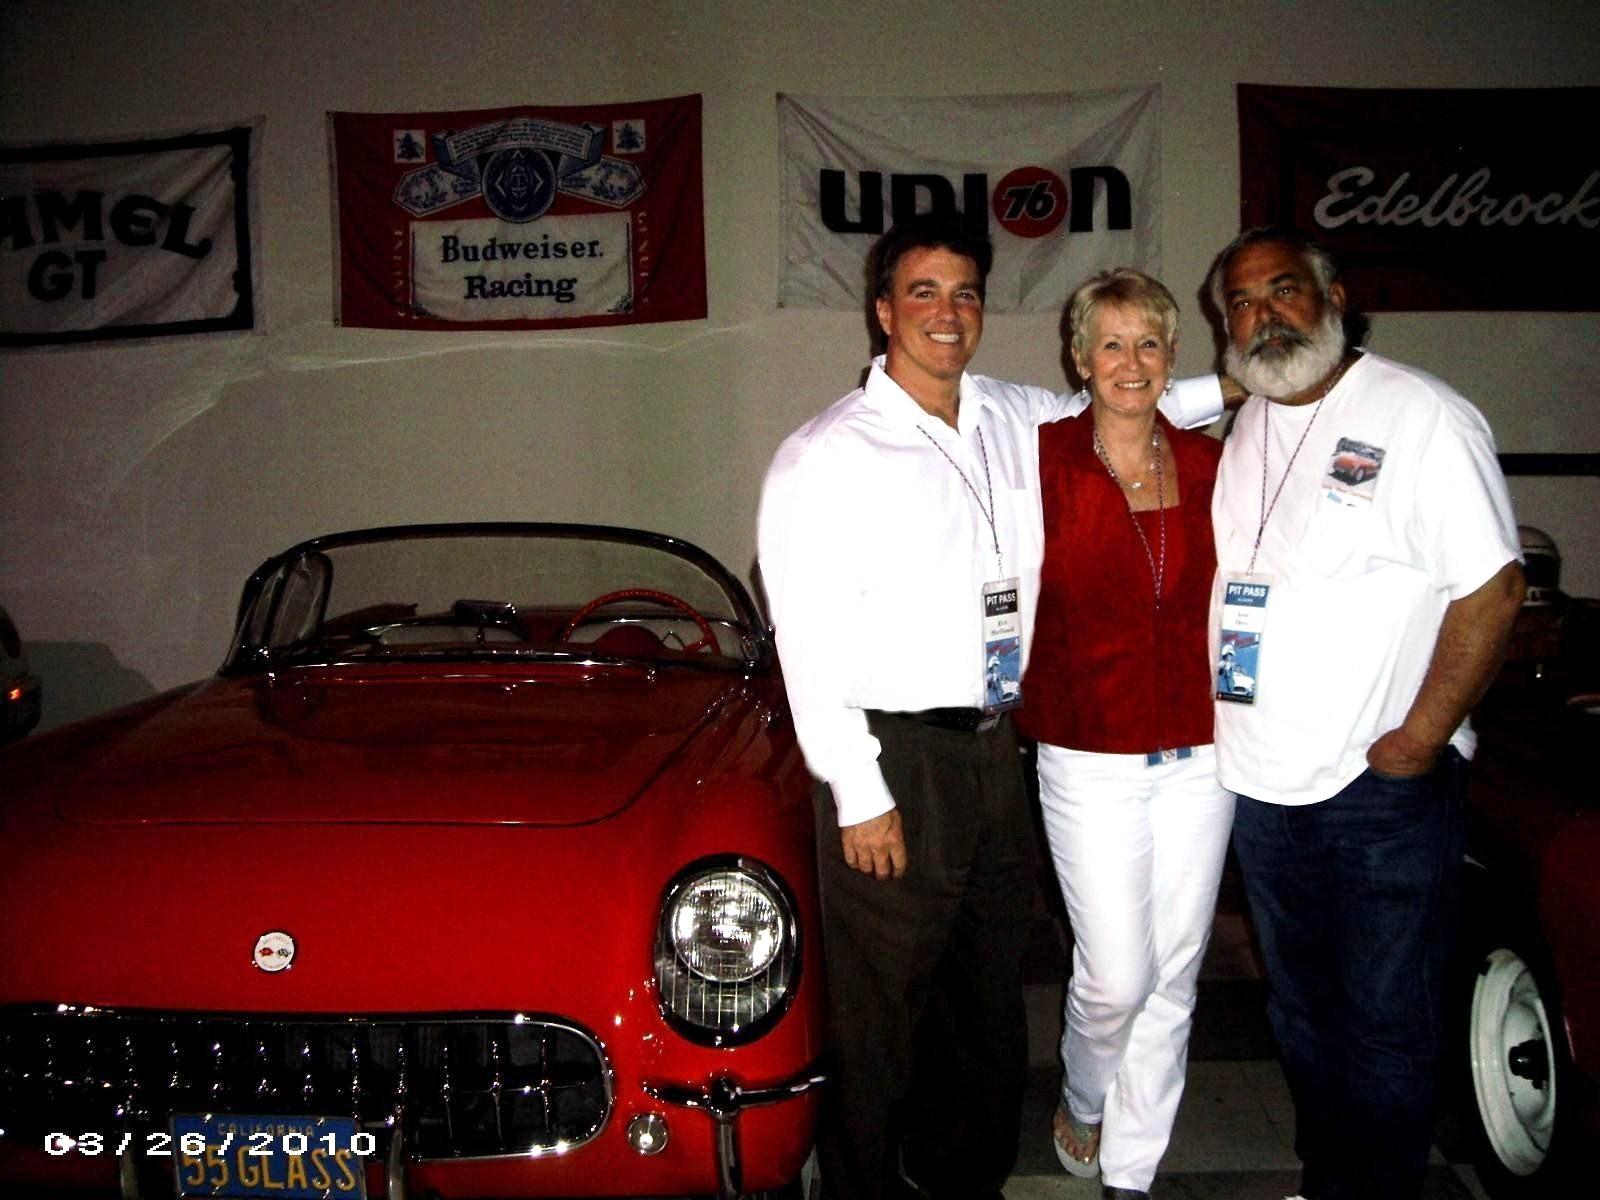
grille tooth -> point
(445, 1088)
(308, 1078)
(397, 1110)
(266, 1090)
(176, 1077)
(89, 1049)
(47, 1064)
(217, 1088)
(495, 1084)
(354, 1092)
(9, 1069)
(128, 1109)
(459, 1087)
(546, 1082)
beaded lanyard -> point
(988, 513)
(1266, 509)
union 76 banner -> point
(1065, 185)
(129, 238)
(1441, 199)
(519, 218)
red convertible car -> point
(483, 867)
(1353, 467)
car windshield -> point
(481, 592)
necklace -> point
(1158, 564)
(1133, 485)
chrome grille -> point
(457, 1086)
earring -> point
(1167, 391)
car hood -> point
(563, 745)
(494, 842)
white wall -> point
(139, 486)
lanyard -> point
(1266, 509)
(988, 513)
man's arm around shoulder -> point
(1191, 404)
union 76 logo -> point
(1030, 202)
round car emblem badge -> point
(274, 951)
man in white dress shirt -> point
(900, 543)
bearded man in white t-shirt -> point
(1368, 577)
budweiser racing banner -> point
(1065, 185)
(133, 238)
(519, 218)
(1434, 199)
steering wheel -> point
(706, 641)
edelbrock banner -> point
(1433, 199)
(127, 238)
(1065, 184)
(519, 218)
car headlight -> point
(727, 950)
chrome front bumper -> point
(723, 1099)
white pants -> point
(1139, 853)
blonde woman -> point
(1119, 697)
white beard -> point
(1280, 372)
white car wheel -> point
(1513, 1062)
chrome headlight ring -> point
(727, 952)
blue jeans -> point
(1354, 901)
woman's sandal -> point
(1077, 1144)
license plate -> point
(284, 1157)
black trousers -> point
(929, 1037)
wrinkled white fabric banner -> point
(1066, 184)
(133, 238)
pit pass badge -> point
(1244, 617)
(1002, 646)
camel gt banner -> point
(1064, 184)
(519, 218)
(1433, 199)
(131, 238)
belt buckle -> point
(1158, 758)
(986, 722)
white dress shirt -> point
(875, 541)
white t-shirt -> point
(1395, 506)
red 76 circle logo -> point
(1030, 202)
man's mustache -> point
(1290, 337)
